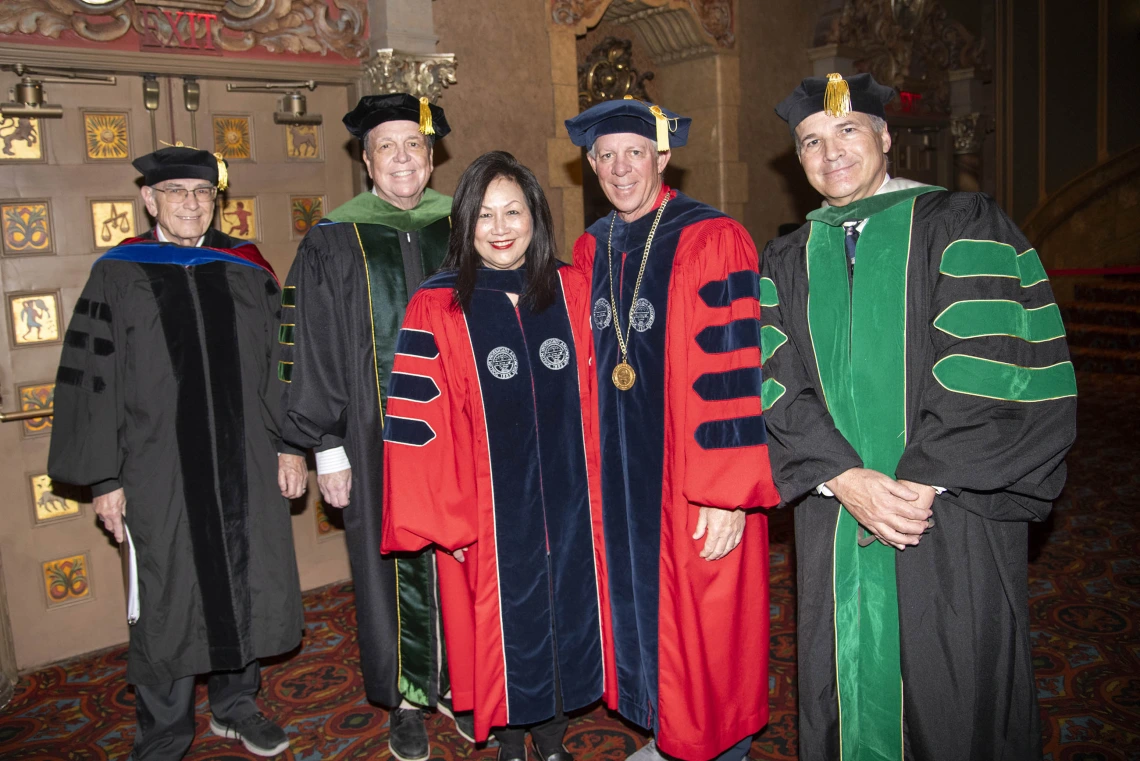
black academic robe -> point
(343, 303)
(989, 415)
(166, 388)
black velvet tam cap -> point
(612, 117)
(836, 95)
(377, 109)
(178, 162)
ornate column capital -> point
(421, 75)
(969, 131)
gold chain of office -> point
(623, 375)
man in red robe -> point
(675, 317)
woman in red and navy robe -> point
(491, 455)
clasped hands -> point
(897, 513)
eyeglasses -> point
(179, 195)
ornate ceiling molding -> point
(908, 44)
(392, 71)
(608, 74)
(278, 26)
(672, 30)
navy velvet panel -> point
(738, 334)
(102, 347)
(732, 433)
(632, 436)
(414, 388)
(730, 384)
(742, 284)
(416, 343)
(81, 306)
(69, 376)
(410, 431)
(549, 602)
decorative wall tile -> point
(305, 211)
(106, 136)
(36, 396)
(26, 228)
(48, 505)
(239, 217)
(21, 140)
(33, 318)
(233, 137)
(67, 580)
(302, 142)
(112, 221)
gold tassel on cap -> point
(223, 172)
(837, 96)
(426, 127)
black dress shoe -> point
(559, 755)
(407, 736)
(505, 755)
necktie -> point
(850, 240)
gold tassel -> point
(223, 173)
(662, 128)
(426, 127)
(837, 96)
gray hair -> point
(878, 124)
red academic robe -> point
(491, 445)
(691, 636)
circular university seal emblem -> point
(503, 363)
(642, 315)
(554, 353)
(602, 314)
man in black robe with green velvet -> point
(920, 402)
(342, 307)
(166, 406)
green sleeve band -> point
(989, 258)
(289, 296)
(768, 295)
(974, 376)
(285, 333)
(771, 338)
(976, 318)
(771, 392)
(285, 371)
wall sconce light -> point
(191, 93)
(292, 104)
(27, 97)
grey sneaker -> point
(407, 736)
(257, 733)
(464, 720)
(647, 752)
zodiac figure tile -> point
(26, 228)
(67, 580)
(50, 506)
(34, 318)
(303, 142)
(36, 396)
(112, 221)
(305, 212)
(239, 218)
(21, 139)
(233, 138)
(106, 136)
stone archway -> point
(692, 46)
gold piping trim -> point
(985, 335)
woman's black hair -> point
(541, 261)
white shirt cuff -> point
(822, 489)
(332, 461)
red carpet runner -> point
(1085, 608)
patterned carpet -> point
(1085, 604)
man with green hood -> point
(920, 402)
(342, 306)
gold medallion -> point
(624, 376)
